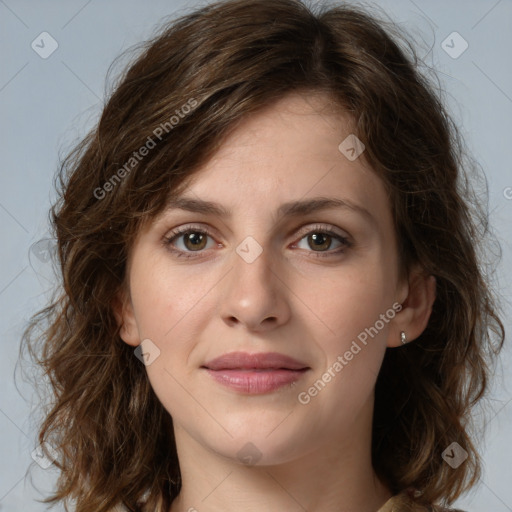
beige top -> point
(404, 503)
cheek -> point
(170, 311)
(351, 333)
(350, 303)
(352, 347)
(163, 297)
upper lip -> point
(246, 361)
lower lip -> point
(254, 382)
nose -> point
(255, 294)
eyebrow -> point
(290, 209)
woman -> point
(271, 296)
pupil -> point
(195, 239)
(320, 240)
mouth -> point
(263, 361)
(255, 373)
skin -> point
(290, 299)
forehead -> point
(285, 152)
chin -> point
(262, 446)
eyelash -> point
(318, 229)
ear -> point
(125, 317)
(419, 294)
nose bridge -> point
(253, 267)
(253, 292)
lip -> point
(255, 373)
(261, 361)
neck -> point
(335, 475)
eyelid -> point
(185, 228)
(326, 228)
(304, 230)
(179, 231)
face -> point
(299, 262)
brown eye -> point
(194, 240)
(185, 241)
(323, 241)
(320, 241)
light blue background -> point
(46, 104)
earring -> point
(403, 337)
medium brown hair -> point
(226, 61)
